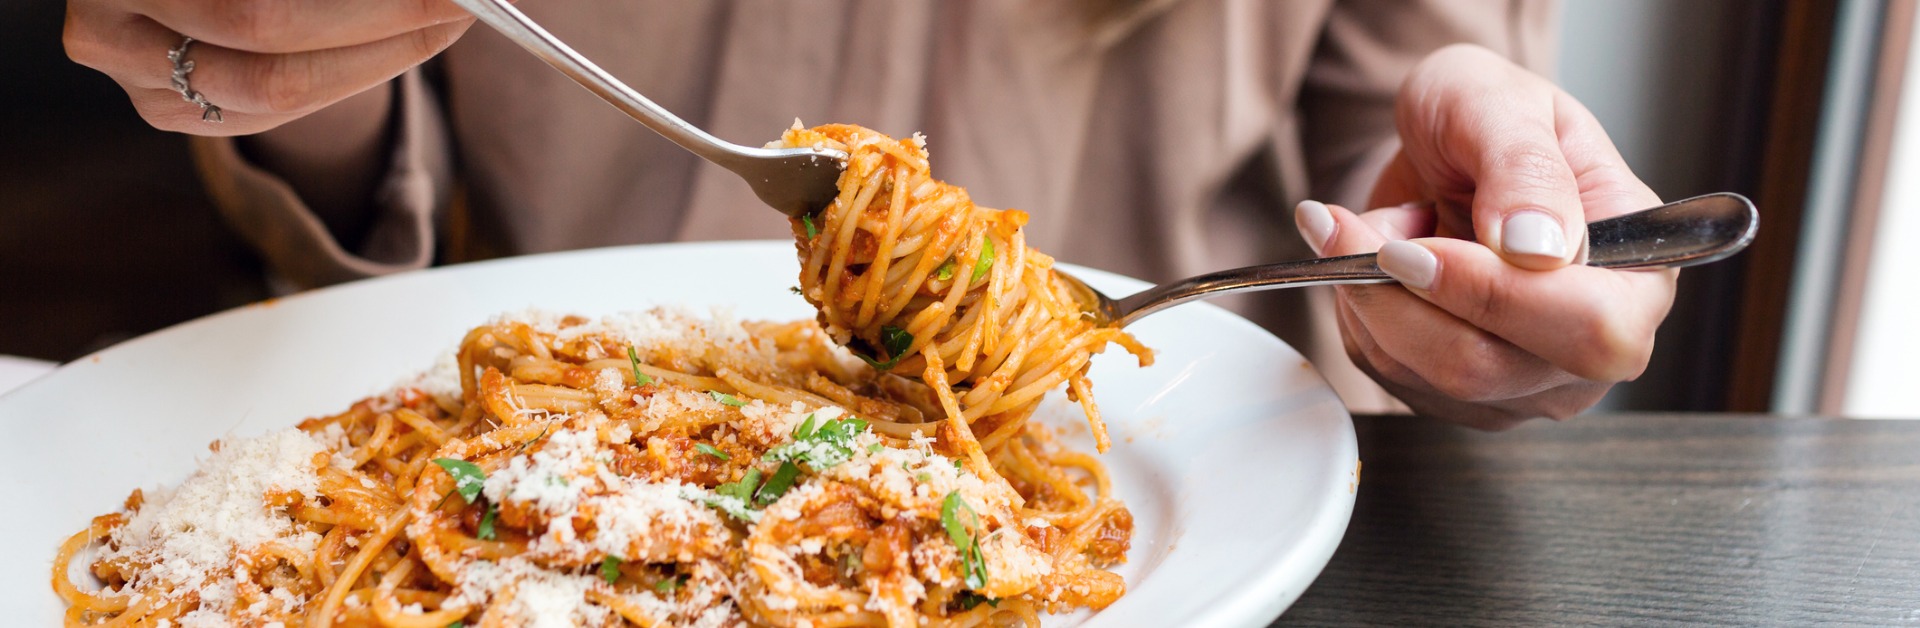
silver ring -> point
(181, 68)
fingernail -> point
(1533, 233)
(1315, 222)
(1411, 264)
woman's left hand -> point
(1482, 218)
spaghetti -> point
(905, 268)
(646, 469)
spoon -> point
(796, 181)
(1695, 231)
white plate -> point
(1236, 458)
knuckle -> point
(1530, 164)
(284, 84)
(1615, 350)
(426, 42)
(1478, 298)
(1475, 370)
(255, 25)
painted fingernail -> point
(1315, 222)
(1533, 233)
(1414, 266)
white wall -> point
(1884, 378)
(1655, 73)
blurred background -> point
(1795, 103)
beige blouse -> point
(1155, 138)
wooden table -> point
(1629, 519)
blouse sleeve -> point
(268, 214)
(1368, 46)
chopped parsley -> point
(924, 477)
(726, 398)
(777, 484)
(486, 533)
(945, 272)
(896, 341)
(736, 498)
(811, 230)
(794, 289)
(968, 599)
(712, 451)
(821, 447)
(668, 585)
(467, 477)
(610, 568)
(875, 448)
(639, 378)
(966, 538)
(985, 262)
(741, 489)
(457, 624)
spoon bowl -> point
(1691, 232)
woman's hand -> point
(1482, 217)
(262, 62)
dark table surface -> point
(1629, 520)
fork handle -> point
(1350, 269)
(1689, 232)
(516, 26)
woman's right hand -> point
(262, 62)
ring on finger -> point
(181, 68)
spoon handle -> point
(1691, 232)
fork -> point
(1691, 232)
(795, 181)
(800, 181)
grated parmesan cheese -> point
(189, 535)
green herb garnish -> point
(712, 451)
(820, 447)
(811, 231)
(726, 398)
(794, 289)
(668, 585)
(741, 489)
(610, 568)
(945, 272)
(457, 624)
(875, 448)
(777, 484)
(468, 479)
(896, 341)
(981, 265)
(639, 378)
(485, 533)
(965, 537)
(968, 599)
(736, 498)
